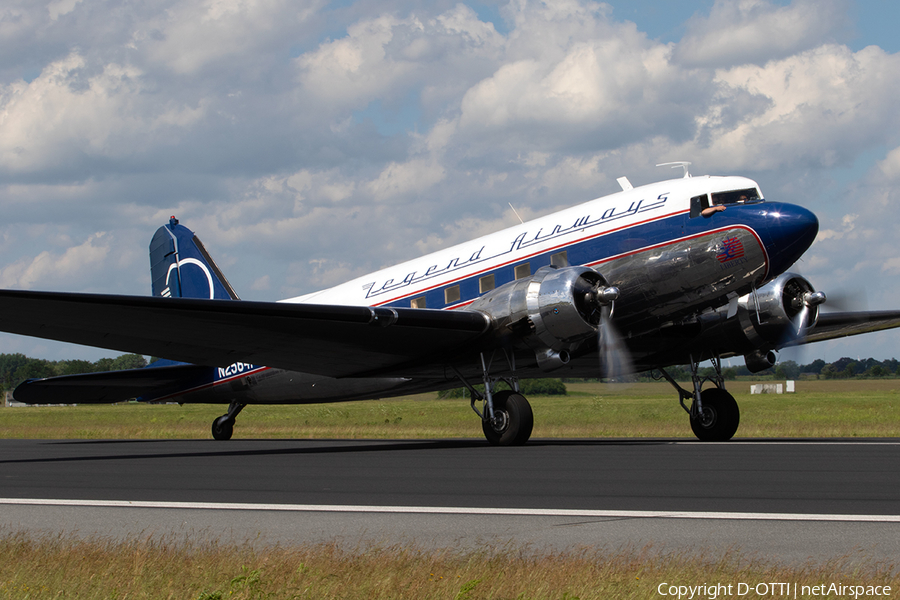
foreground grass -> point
(94, 568)
(848, 408)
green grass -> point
(65, 567)
(843, 408)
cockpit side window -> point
(736, 197)
(698, 203)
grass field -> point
(833, 408)
(153, 569)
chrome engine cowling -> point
(779, 312)
(551, 312)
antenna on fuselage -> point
(516, 213)
(676, 164)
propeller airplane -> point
(676, 272)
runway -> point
(788, 500)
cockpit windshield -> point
(706, 204)
(735, 197)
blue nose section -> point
(790, 231)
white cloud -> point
(402, 179)
(72, 113)
(48, 269)
(821, 107)
(739, 32)
(192, 34)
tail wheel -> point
(720, 417)
(512, 422)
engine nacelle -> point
(552, 311)
(779, 312)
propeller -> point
(615, 360)
(804, 304)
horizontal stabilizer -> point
(110, 386)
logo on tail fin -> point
(178, 267)
(176, 254)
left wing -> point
(336, 341)
(842, 324)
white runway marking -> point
(452, 510)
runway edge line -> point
(454, 510)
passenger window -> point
(560, 259)
(418, 302)
(485, 284)
(451, 295)
(523, 270)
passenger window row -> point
(452, 294)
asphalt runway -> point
(785, 500)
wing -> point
(336, 341)
(842, 324)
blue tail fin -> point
(182, 268)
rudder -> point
(180, 266)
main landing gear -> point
(713, 412)
(223, 427)
(506, 416)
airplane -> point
(676, 272)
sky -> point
(308, 143)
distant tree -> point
(542, 387)
(104, 364)
(787, 370)
(35, 368)
(849, 371)
(528, 387)
(813, 367)
(74, 367)
(9, 364)
(129, 361)
(840, 363)
(876, 371)
(828, 372)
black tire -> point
(517, 423)
(720, 419)
(223, 428)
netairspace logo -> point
(711, 591)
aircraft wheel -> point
(514, 421)
(223, 428)
(720, 418)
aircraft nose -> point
(792, 230)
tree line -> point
(843, 368)
(16, 368)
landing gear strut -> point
(223, 427)
(713, 412)
(506, 416)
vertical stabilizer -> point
(180, 266)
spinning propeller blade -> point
(615, 360)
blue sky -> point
(311, 143)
